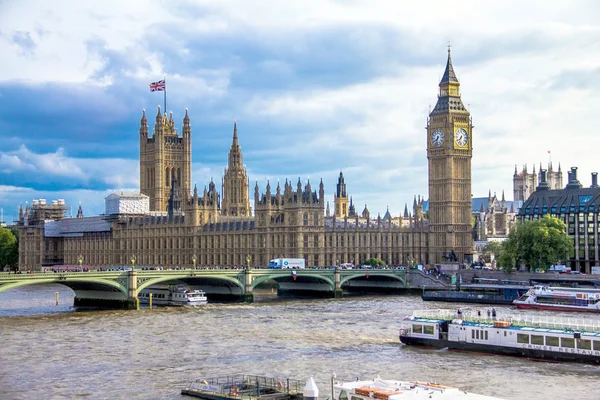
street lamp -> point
(133, 262)
(248, 259)
(80, 260)
(194, 260)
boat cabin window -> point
(596, 345)
(537, 339)
(522, 338)
(417, 328)
(486, 335)
(584, 344)
(567, 342)
(551, 341)
(428, 329)
(343, 395)
(355, 398)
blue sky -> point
(316, 87)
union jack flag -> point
(158, 86)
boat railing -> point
(527, 321)
(248, 386)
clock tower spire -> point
(449, 153)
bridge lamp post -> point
(248, 259)
(80, 260)
(194, 260)
(133, 262)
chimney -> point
(573, 182)
(543, 184)
(594, 180)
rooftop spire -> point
(449, 75)
(235, 136)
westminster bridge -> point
(120, 289)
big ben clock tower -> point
(449, 151)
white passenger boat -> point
(550, 338)
(172, 295)
(560, 299)
(383, 389)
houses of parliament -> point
(171, 223)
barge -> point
(478, 293)
(546, 338)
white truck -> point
(283, 263)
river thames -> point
(51, 352)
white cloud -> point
(512, 58)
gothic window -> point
(305, 219)
(316, 219)
(167, 177)
(316, 241)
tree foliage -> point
(375, 262)
(9, 248)
(536, 244)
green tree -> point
(9, 248)
(375, 262)
(536, 244)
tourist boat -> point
(478, 293)
(560, 299)
(384, 389)
(172, 295)
(551, 338)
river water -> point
(51, 352)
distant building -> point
(577, 207)
(493, 217)
(524, 183)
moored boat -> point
(172, 295)
(383, 389)
(556, 339)
(560, 299)
(478, 293)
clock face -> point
(437, 138)
(461, 137)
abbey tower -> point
(164, 156)
(449, 151)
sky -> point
(316, 87)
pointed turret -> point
(449, 76)
(387, 216)
(365, 213)
(327, 210)
(512, 207)
(79, 211)
(235, 135)
(481, 209)
(405, 210)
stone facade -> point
(494, 217)
(186, 228)
(524, 183)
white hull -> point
(172, 296)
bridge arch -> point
(375, 273)
(144, 283)
(75, 284)
(279, 277)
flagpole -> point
(165, 91)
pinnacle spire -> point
(449, 75)
(235, 135)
